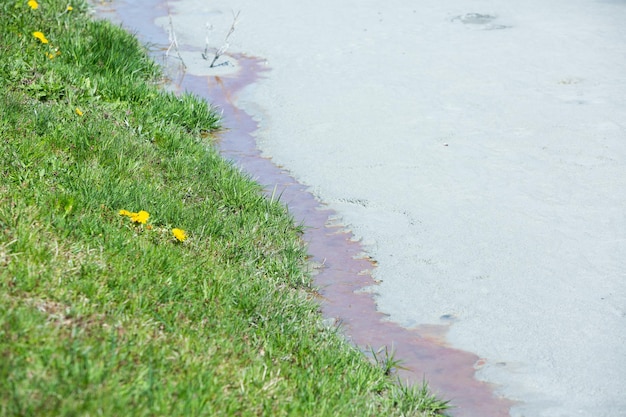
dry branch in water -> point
(224, 46)
(173, 42)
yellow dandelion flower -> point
(33, 4)
(78, 111)
(141, 217)
(40, 36)
(179, 234)
(49, 55)
(69, 8)
(126, 213)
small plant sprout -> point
(222, 49)
(385, 359)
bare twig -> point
(173, 42)
(209, 29)
(225, 45)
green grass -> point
(100, 315)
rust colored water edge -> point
(343, 271)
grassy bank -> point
(141, 274)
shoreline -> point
(477, 154)
(345, 279)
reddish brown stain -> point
(450, 372)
